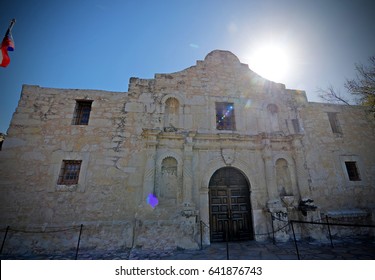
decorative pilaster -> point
(270, 176)
(149, 175)
(278, 213)
(187, 172)
(303, 177)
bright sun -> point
(270, 61)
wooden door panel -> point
(230, 210)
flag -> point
(6, 45)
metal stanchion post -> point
(201, 229)
(329, 231)
(273, 231)
(227, 238)
(79, 240)
(295, 241)
(5, 236)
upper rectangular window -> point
(334, 122)
(352, 169)
(69, 172)
(225, 119)
(296, 126)
(82, 112)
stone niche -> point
(168, 187)
(170, 224)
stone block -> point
(134, 107)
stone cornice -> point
(179, 138)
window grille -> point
(82, 112)
(69, 173)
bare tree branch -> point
(332, 96)
(362, 87)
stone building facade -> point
(226, 153)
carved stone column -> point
(149, 175)
(187, 176)
(270, 176)
(274, 206)
(204, 215)
(303, 177)
(187, 171)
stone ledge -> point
(347, 213)
(66, 188)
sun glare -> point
(270, 61)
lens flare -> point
(226, 114)
(194, 46)
(248, 104)
(152, 200)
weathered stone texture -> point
(134, 144)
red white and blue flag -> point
(6, 45)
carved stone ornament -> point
(228, 156)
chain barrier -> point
(289, 223)
(54, 230)
(45, 231)
(328, 224)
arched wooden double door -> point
(230, 209)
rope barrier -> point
(272, 232)
(289, 223)
(45, 231)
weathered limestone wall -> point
(326, 152)
(41, 136)
(327, 169)
(160, 137)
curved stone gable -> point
(223, 57)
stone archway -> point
(229, 206)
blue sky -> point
(100, 44)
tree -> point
(362, 87)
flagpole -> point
(6, 45)
(12, 22)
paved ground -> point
(253, 250)
(250, 250)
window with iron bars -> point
(82, 112)
(69, 172)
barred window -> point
(69, 172)
(351, 168)
(82, 112)
(225, 116)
